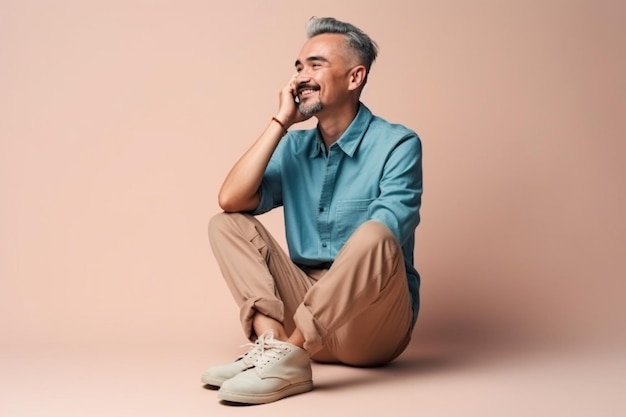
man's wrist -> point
(280, 123)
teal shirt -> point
(373, 172)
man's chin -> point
(310, 109)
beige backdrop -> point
(119, 119)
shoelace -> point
(266, 350)
(259, 344)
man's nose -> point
(303, 76)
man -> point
(351, 188)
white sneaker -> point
(216, 375)
(281, 369)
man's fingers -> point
(294, 81)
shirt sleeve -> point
(271, 195)
(399, 201)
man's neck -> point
(332, 126)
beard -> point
(310, 109)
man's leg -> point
(359, 308)
(265, 284)
(260, 275)
(359, 311)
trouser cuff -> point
(313, 332)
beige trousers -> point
(356, 312)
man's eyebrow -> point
(312, 58)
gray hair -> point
(358, 40)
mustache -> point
(306, 86)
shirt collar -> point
(349, 141)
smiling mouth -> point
(305, 92)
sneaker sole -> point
(242, 398)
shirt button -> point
(324, 245)
(321, 209)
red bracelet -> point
(280, 123)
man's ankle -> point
(262, 324)
(296, 338)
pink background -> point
(119, 119)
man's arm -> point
(240, 190)
(400, 196)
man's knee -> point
(376, 230)
(374, 244)
(374, 233)
(216, 224)
(223, 222)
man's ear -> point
(358, 75)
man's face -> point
(323, 73)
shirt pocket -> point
(350, 215)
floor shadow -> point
(234, 404)
(341, 376)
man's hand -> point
(288, 112)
